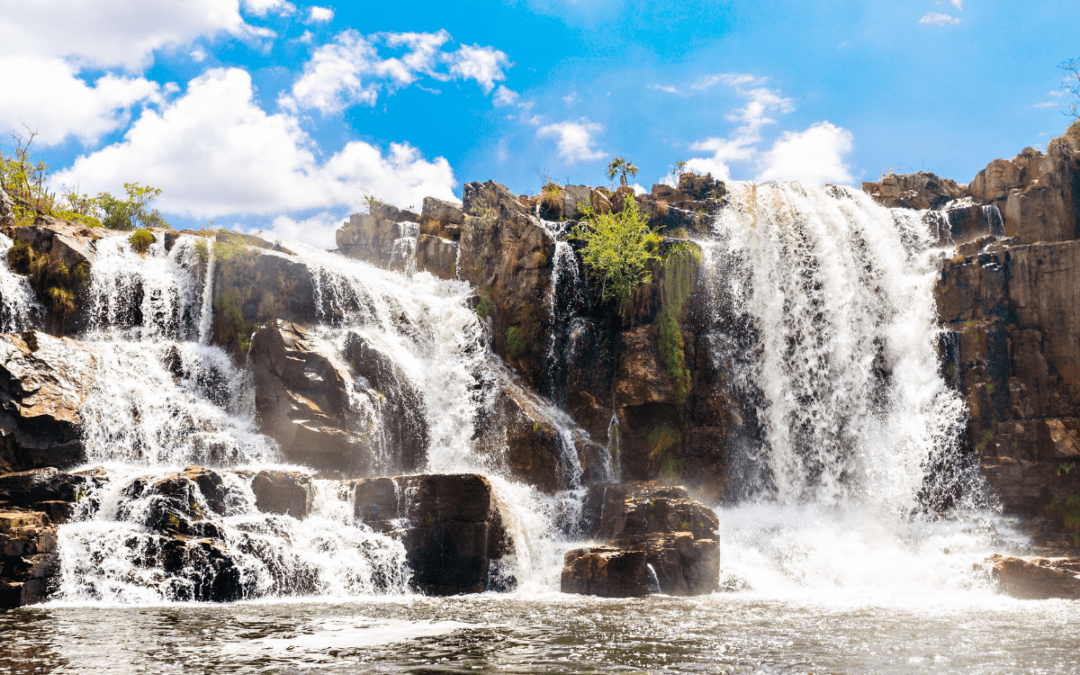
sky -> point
(283, 117)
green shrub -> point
(680, 271)
(618, 248)
(141, 240)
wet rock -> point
(43, 384)
(28, 558)
(41, 485)
(607, 572)
(1036, 578)
(436, 255)
(678, 534)
(441, 219)
(176, 505)
(301, 392)
(515, 424)
(284, 492)
(7, 210)
(451, 526)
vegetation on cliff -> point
(618, 248)
(680, 271)
(27, 183)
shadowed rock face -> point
(450, 525)
(284, 492)
(43, 384)
(677, 535)
(28, 557)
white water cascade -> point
(19, 310)
(165, 399)
(823, 313)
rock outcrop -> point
(28, 557)
(451, 526)
(1035, 578)
(43, 383)
(678, 536)
(288, 493)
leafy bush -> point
(618, 248)
(141, 240)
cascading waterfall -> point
(165, 399)
(19, 309)
(823, 312)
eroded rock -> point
(607, 572)
(284, 492)
(28, 558)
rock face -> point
(7, 210)
(1036, 578)
(284, 492)
(450, 525)
(608, 572)
(677, 534)
(921, 190)
(43, 383)
(28, 557)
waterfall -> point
(164, 399)
(19, 310)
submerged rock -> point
(677, 535)
(607, 571)
(450, 524)
(43, 384)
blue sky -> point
(281, 116)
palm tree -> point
(623, 168)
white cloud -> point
(318, 230)
(959, 4)
(320, 15)
(668, 88)
(939, 19)
(575, 139)
(504, 96)
(1047, 104)
(350, 71)
(264, 7)
(812, 156)
(53, 101)
(739, 146)
(214, 152)
(198, 55)
(118, 33)
(1057, 94)
(483, 64)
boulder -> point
(301, 393)
(176, 504)
(678, 534)
(923, 190)
(43, 383)
(451, 527)
(384, 211)
(994, 183)
(41, 485)
(368, 237)
(607, 572)
(1035, 578)
(288, 493)
(516, 425)
(437, 255)
(28, 558)
(441, 219)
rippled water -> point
(549, 634)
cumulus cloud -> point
(320, 15)
(504, 96)
(54, 102)
(959, 4)
(118, 33)
(318, 230)
(574, 139)
(812, 156)
(483, 64)
(351, 71)
(740, 145)
(939, 19)
(264, 7)
(215, 152)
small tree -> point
(1071, 83)
(617, 252)
(132, 213)
(622, 167)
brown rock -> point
(994, 183)
(437, 255)
(43, 386)
(441, 219)
(7, 210)
(607, 572)
(450, 525)
(921, 190)
(1035, 578)
(367, 237)
(285, 492)
(28, 558)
